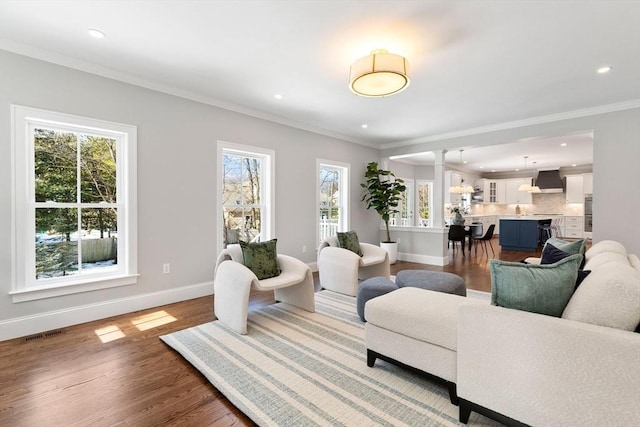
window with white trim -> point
(75, 203)
(333, 197)
(246, 196)
(404, 217)
(424, 201)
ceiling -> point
(473, 65)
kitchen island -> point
(521, 233)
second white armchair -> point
(341, 269)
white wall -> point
(176, 187)
(616, 138)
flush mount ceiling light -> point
(379, 74)
(96, 34)
(604, 70)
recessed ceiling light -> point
(481, 167)
(364, 126)
(96, 34)
(574, 165)
(465, 162)
(493, 170)
(517, 170)
(564, 144)
(605, 69)
(277, 96)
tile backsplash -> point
(543, 203)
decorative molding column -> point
(438, 190)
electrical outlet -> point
(304, 249)
(166, 268)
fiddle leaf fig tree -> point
(382, 191)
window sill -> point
(36, 293)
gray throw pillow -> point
(544, 289)
(261, 258)
(349, 240)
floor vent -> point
(47, 334)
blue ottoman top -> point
(432, 280)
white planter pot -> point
(392, 250)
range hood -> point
(550, 182)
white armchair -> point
(340, 269)
(234, 281)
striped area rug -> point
(296, 368)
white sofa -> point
(523, 368)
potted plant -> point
(382, 191)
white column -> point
(437, 210)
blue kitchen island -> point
(521, 233)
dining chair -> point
(457, 233)
(484, 239)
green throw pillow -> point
(349, 240)
(261, 258)
(544, 289)
(572, 248)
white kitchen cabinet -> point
(573, 227)
(452, 179)
(494, 191)
(587, 183)
(513, 196)
(575, 189)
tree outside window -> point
(242, 196)
(332, 195)
(424, 201)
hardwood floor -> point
(73, 378)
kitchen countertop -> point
(528, 217)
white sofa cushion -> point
(420, 314)
(609, 296)
(605, 246)
(603, 258)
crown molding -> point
(625, 105)
(111, 73)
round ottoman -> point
(432, 280)
(372, 288)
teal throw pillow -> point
(349, 240)
(261, 258)
(543, 289)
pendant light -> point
(460, 189)
(528, 187)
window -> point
(245, 181)
(333, 196)
(424, 199)
(75, 204)
(404, 217)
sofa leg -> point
(465, 411)
(371, 358)
(453, 393)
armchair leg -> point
(301, 295)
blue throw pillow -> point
(551, 254)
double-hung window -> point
(332, 196)
(424, 201)
(74, 205)
(404, 217)
(246, 193)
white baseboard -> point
(42, 322)
(423, 259)
(313, 266)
